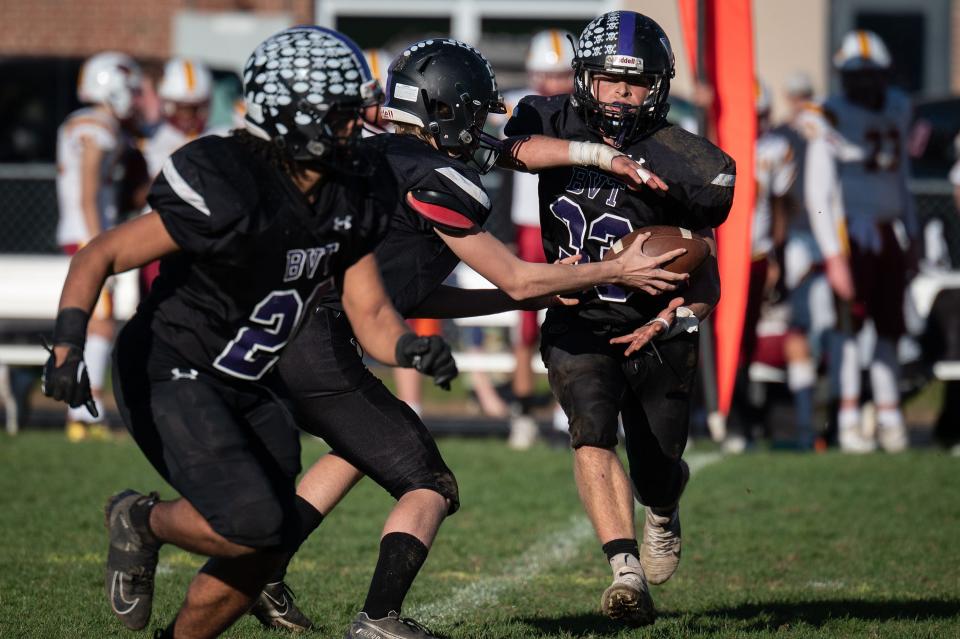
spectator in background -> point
(775, 173)
(549, 72)
(89, 144)
(184, 93)
(808, 294)
(861, 212)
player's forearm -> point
(538, 152)
(377, 330)
(531, 280)
(448, 302)
(89, 269)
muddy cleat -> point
(274, 608)
(393, 626)
(660, 552)
(628, 598)
(131, 560)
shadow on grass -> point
(765, 616)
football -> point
(664, 239)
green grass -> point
(776, 545)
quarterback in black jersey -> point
(250, 228)
(622, 70)
(438, 96)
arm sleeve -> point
(821, 193)
(100, 134)
(200, 195)
(785, 171)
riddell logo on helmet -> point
(625, 61)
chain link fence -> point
(28, 208)
(934, 200)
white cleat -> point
(523, 432)
(893, 438)
(628, 598)
(660, 552)
(851, 441)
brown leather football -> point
(664, 239)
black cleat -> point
(131, 560)
(274, 608)
(393, 626)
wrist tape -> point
(593, 154)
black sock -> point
(309, 518)
(401, 556)
(619, 546)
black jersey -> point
(253, 252)
(584, 210)
(413, 259)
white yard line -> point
(553, 550)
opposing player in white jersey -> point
(549, 72)
(89, 144)
(185, 94)
(862, 215)
(775, 173)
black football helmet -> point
(629, 44)
(447, 88)
(302, 88)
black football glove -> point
(429, 355)
(69, 382)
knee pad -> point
(260, 524)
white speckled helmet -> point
(301, 83)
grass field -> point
(777, 545)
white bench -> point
(503, 362)
(30, 288)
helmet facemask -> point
(618, 121)
(458, 129)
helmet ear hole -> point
(443, 111)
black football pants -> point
(595, 383)
(336, 397)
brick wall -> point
(140, 27)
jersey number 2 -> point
(605, 230)
(256, 348)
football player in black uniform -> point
(250, 228)
(438, 95)
(623, 68)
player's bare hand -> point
(648, 332)
(643, 272)
(839, 277)
(633, 173)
